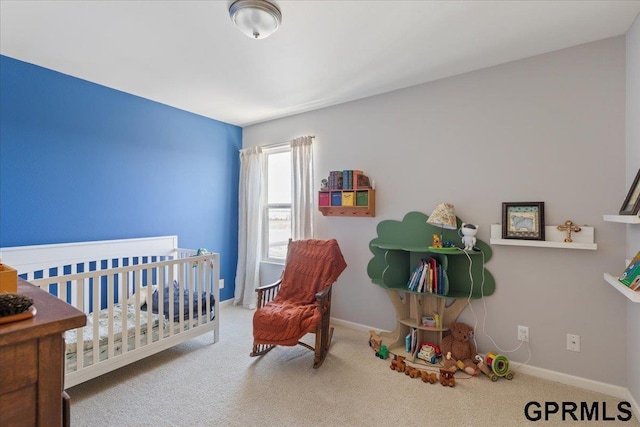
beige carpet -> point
(203, 384)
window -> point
(277, 211)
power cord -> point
(475, 326)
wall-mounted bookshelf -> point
(347, 192)
(359, 203)
(625, 219)
(611, 279)
(554, 238)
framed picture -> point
(631, 204)
(523, 220)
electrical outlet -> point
(523, 333)
(573, 342)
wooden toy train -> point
(496, 365)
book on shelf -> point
(631, 275)
(414, 341)
(428, 276)
(348, 179)
(362, 181)
(335, 180)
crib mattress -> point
(103, 333)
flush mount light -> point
(257, 19)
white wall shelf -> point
(554, 238)
(613, 281)
(625, 219)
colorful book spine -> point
(631, 274)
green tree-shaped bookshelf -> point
(399, 247)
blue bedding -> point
(188, 303)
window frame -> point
(266, 205)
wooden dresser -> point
(32, 362)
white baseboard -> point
(618, 392)
(621, 393)
(352, 325)
(226, 303)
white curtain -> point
(249, 227)
(302, 200)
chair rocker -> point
(300, 302)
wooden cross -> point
(568, 227)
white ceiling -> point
(188, 54)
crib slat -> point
(79, 287)
(95, 287)
(190, 287)
(183, 276)
(172, 276)
(149, 310)
(138, 281)
(161, 288)
(110, 304)
(123, 279)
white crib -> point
(141, 296)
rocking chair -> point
(300, 302)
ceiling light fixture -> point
(257, 19)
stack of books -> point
(348, 179)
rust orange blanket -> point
(311, 266)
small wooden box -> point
(8, 279)
(362, 198)
(336, 198)
(324, 199)
(347, 198)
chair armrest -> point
(323, 296)
(267, 293)
(269, 286)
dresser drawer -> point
(18, 365)
(19, 407)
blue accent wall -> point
(80, 162)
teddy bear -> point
(459, 350)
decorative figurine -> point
(568, 227)
(468, 233)
(324, 185)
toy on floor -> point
(411, 371)
(429, 352)
(428, 377)
(398, 363)
(458, 347)
(375, 342)
(497, 366)
(447, 378)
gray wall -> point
(633, 231)
(548, 128)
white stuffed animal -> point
(468, 232)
